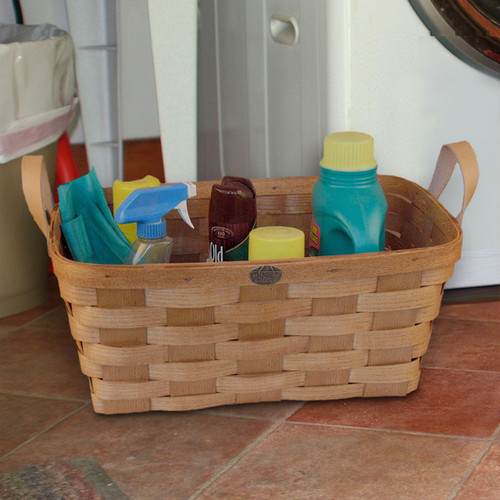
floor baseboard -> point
(472, 295)
(476, 268)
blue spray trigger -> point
(147, 206)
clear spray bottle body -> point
(148, 251)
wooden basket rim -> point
(325, 268)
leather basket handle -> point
(451, 154)
(37, 191)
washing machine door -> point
(468, 28)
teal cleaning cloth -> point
(88, 226)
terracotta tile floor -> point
(441, 442)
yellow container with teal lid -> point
(348, 203)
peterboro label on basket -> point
(266, 275)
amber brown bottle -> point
(232, 215)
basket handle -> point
(37, 192)
(451, 154)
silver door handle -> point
(284, 29)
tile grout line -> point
(376, 429)
(38, 434)
(470, 470)
(452, 369)
(229, 465)
(487, 440)
(248, 417)
(497, 432)
(16, 328)
(478, 320)
(44, 396)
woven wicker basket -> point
(192, 334)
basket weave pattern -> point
(192, 334)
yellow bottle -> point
(276, 242)
(121, 189)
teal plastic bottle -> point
(348, 203)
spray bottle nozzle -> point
(147, 207)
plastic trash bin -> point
(38, 100)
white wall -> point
(139, 99)
(173, 35)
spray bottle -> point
(147, 207)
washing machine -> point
(470, 29)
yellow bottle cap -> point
(121, 189)
(348, 151)
(275, 242)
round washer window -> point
(468, 28)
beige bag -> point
(37, 101)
